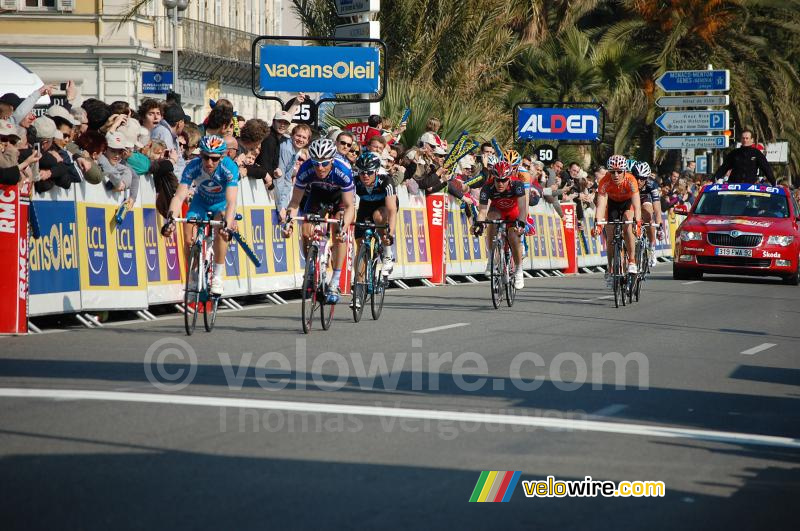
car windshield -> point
(743, 204)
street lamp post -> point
(175, 6)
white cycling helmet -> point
(641, 170)
(322, 148)
(491, 160)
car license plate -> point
(734, 252)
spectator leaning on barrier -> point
(118, 174)
(70, 152)
(45, 133)
(282, 178)
(168, 130)
(16, 160)
(251, 138)
(270, 146)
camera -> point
(63, 86)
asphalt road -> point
(375, 425)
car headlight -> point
(783, 241)
(687, 235)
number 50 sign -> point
(546, 153)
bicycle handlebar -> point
(497, 222)
(626, 222)
(368, 225)
(311, 218)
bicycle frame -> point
(503, 269)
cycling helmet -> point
(322, 148)
(503, 170)
(213, 144)
(512, 156)
(368, 162)
(491, 160)
(617, 162)
(641, 170)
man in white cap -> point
(120, 176)
(65, 122)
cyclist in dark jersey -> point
(377, 201)
(650, 197)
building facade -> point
(92, 43)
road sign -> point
(693, 121)
(694, 80)
(777, 152)
(701, 164)
(156, 82)
(357, 7)
(361, 30)
(351, 110)
(694, 142)
(692, 101)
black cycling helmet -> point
(368, 162)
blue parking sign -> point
(701, 164)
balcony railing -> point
(202, 38)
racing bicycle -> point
(197, 296)
(643, 255)
(501, 264)
(368, 279)
(622, 282)
(313, 291)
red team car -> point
(741, 229)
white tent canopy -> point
(19, 80)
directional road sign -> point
(694, 80)
(693, 121)
(692, 142)
(692, 101)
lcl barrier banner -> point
(53, 256)
(112, 258)
(14, 259)
(164, 259)
(280, 260)
(236, 278)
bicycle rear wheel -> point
(360, 281)
(191, 298)
(378, 287)
(495, 280)
(511, 289)
(309, 289)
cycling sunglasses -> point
(616, 172)
(321, 163)
(499, 180)
(368, 173)
(208, 157)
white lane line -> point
(437, 328)
(692, 282)
(758, 348)
(424, 414)
(610, 410)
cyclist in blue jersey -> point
(216, 178)
(377, 202)
(324, 185)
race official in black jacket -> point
(745, 162)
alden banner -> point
(577, 124)
(341, 70)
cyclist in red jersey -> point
(507, 200)
(618, 199)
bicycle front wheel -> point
(511, 289)
(496, 277)
(191, 296)
(309, 289)
(618, 277)
(378, 287)
(360, 281)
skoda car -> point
(747, 229)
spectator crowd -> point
(115, 145)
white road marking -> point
(668, 432)
(610, 410)
(437, 328)
(758, 348)
(692, 282)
